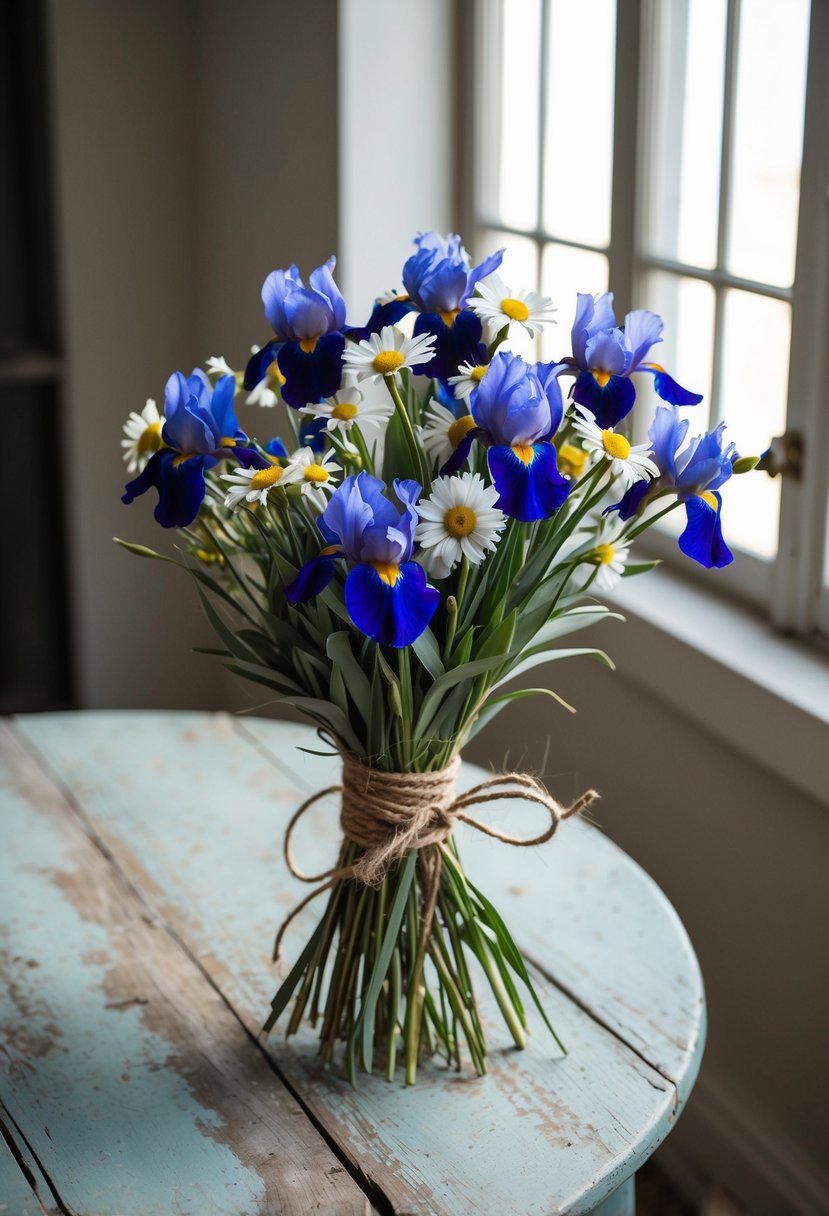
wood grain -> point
(193, 808)
(134, 1084)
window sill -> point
(724, 668)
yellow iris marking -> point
(460, 521)
(150, 440)
(263, 479)
(524, 452)
(459, 428)
(274, 372)
(388, 361)
(315, 472)
(228, 443)
(708, 497)
(308, 344)
(345, 411)
(571, 460)
(182, 456)
(601, 378)
(605, 554)
(330, 550)
(388, 571)
(516, 310)
(477, 373)
(448, 318)
(204, 555)
(615, 445)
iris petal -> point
(631, 501)
(528, 491)
(381, 315)
(259, 363)
(311, 375)
(667, 387)
(702, 539)
(454, 344)
(313, 578)
(180, 487)
(609, 403)
(391, 615)
(460, 453)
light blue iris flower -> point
(695, 474)
(439, 280)
(200, 429)
(386, 593)
(308, 323)
(517, 408)
(605, 356)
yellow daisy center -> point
(150, 439)
(344, 411)
(459, 428)
(571, 459)
(206, 556)
(460, 521)
(315, 472)
(263, 479)
(708, 497)
(524, 452)
(477, 373)
(389, 572)
(615, 445)
(604, 553)
(388, 361)
(516, 310)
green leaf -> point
(550, 656)
(381, 965)
(499, 641)
(338, 649)
(143, 551)
(234, 644)
(286, 989)
(428, 651)
(639, 568)
(433, 698)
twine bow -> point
(388, 814)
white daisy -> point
(348, 408)
(469, 377)
(143, 436)
(317, 476)
(388, 352)
(254, 485)
(627, 463)
(458, 519)
(604, 564)
(496, 303)
(217, 365)
(443, 431)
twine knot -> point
(388, 814)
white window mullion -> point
(799, 595)
(622, 249)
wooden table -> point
(141, 880)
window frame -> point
(788, 589)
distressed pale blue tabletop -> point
(141, 880)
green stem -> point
(415, 450)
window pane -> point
(687, 350)
(564, 273)
(683, 140)
(768, 139)
(579, 119)
(520, 53)
(755, 373)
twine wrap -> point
(388, 814)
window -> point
(674, 151)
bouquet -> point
(436, 515)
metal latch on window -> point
(784, 456)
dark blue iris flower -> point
(386, 593)
(516, 410)
(695, 474)
(439, 281)
(200, 429)
(605, 356)
(308, 323)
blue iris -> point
(439, 281)
(386, 593)
(695, 474)
(517, 408)
(200, 429)
(606, 355)
(308, 323)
